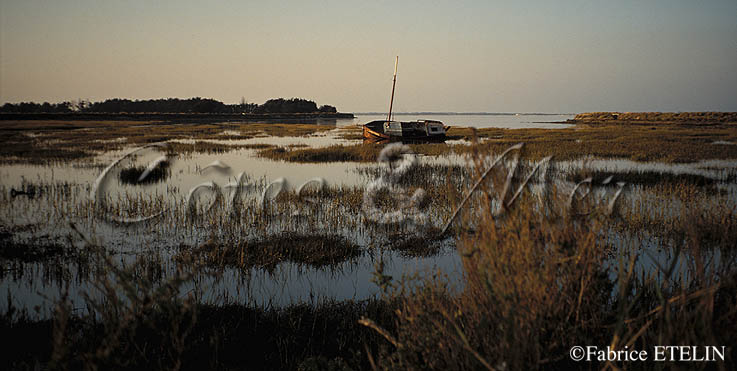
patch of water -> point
(287, 283)
(317, 140)
(712, 169)
(507, 121)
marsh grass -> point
(683, 214)
(666, 143)
(28, 253)
(323, 336)
(354, 132)
(313, 250)
(334, 153)
(56, 258)
(203, 146)
(411, 245)
(538, 283)
(42, 142)
(636, 140)
(693, 118)
(132, 322)
(644, 178)
(282, 130)
(158, 174)
(346, 153)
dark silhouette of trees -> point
(170, 105)
(328, 109)
(281, 105)
(30, 107)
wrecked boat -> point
(387, 130)
(405, 130)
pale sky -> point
(464, 56)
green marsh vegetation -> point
(538, 277)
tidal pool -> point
(60, 214)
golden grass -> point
(667, 143)
(538, 283)
(335, 153)
(698, 118)
(350, 133)
(41, 141)
(682, 214)
(367, 152)
(281, 130)
(639, 141)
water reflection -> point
(63, 195)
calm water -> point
(49, 214)
(36, 284)
(507, 121)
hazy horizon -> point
(475, 56)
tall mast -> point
(394, 83)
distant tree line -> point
(170, 105)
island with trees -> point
(170, 109)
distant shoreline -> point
(655, 117)
(175, 116)
(463, 113)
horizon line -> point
(449, 113)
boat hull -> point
(420, 131)
(369, 133)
